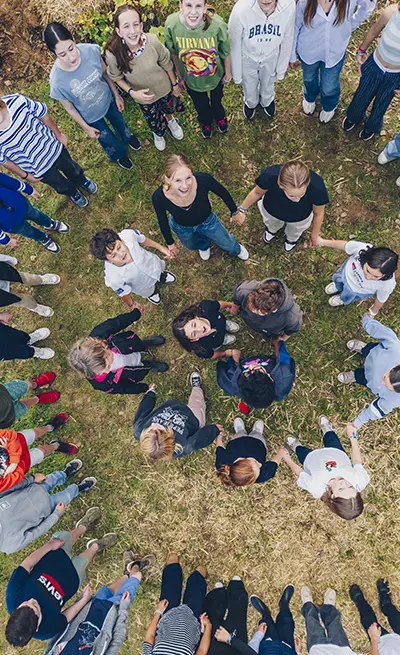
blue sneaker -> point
(79, 199)
(89, 185)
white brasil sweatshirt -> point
(254, 35)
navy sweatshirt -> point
(12, 204)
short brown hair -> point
(267, 297)
(158, 442)
(171, 165)
(88, 356)
(238, 474)
(346, 508)
(294, 175)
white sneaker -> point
(330, 597)
(50, 278)
(308, 107)
(335, 301)
(324, 424)
(383, 159)
(218, 585)
(398, 181)
(232, 326)
(159, 142)
(268, 236)
(331, 288)
(292, 442)
(238, 425)
(243, 254)
(38, 335)
(229, 339)
(306, 595)
(175, 129)
(43, 353)
(258, 426)
(355, 345)
(205, 254)
(326, 116)
(155, 298)
(42, 310)
(288, 246)
(347, 377)
(170, 278)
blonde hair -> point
(294, 175)
(346, 508)
(158, 442)
(88, 356)
(171, 165)
(238, 474)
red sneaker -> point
(65, 447)
(58, 420)
(44, 378)
(48, 397)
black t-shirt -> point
(52, 582)
(277, 203)
(247, 447)
(212, 312)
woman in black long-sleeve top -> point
(182, 205)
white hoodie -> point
(254, 35)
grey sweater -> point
(110, 639)
(288, 318)
(25, 515)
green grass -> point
(269, 534)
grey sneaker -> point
(143, 563)
(107, 541)
(38, 335)
(330, 597)
(92, 515)
(324, 424)
(232, 326)
(238, 425)
(79, 199)
(292, 442)
(306, 595)
(128, 557)
(229, 339)
(89, 185)
(347, 377)
(258, 426)
(355, 345)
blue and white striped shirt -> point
(28, 142)
(178, 633)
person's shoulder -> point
(201, 176)
(272, 171)
(153, 40)
(217, 21)
(316, 179)
(158, 194)
(172, 20)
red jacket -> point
(18, 453)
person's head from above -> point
(343, 499)
(391, 379)
(178, 176)
(378, 263)
(267, 6)
(267, 298)
(23, 623)
(158, 442)
(107, 246)
(256, 386)
(243, 472)
(190, 326)
(90, 357)
(293, 179)
(194, 14)
(61, 43)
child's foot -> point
(229, 339)
(259, 605)
(347, 377)
(58, 420)
(356, 594)
(206, 131)
(330, 597)
(152, 342)
(167, 278)
(43, 379)
(58, 226)
(107, 541)
(292, 443)
(159, 142)
(38, 335)
(306, 595)
(48, 397)
(175, 129)
(218, 585)
(195, 380)
(65, 447)
(347, 125)
(238, 425)
(258, 426)
(269, 236)
(50, 278)
(87, 484)
(222, 125)
(205, 254)
(134, 143)
(43, 353)
(248, 112)
(325, 425)
(73, 467)
(42, 310)
(308, 107)
(125, 163)
(270, 111)
(243, 253)
(365, 135)
(79, 199)
(286, 597)
(155, 298)
(92, 516)
(89, 185)
(326, 116)
(331, 288)
(51, 246)
(336, 301)
(355, 346)
(128, 557)
(143, 563)
(384, 593)
(288, 246)
(232, 326)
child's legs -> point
(384, 96)
(202, 105)
(190, 237)
(36, 456)
(393, 615)
(272, 224)
(302, 452)
(330, 85)
(112, 146)
(272, 632)
(28, 302)
(367, 614)
(359, 375)
(29, 436)
(40, 218)
(155, 118)
(213, 229)
(53, 480)
(315, 632)
(117, 122)
(130, 584)
(267, 84)
(311, 75)
(293, 231)
(367, 349)
(285, 627)
(217, 108)
(392, 149)
(238, 600)
(257, 435)
(171, 584)
(197, 404)
(367, 88)
(250, 82)
(331, 440)
(17, 388)
(215, 606)
(27, 230)
(31, 279)
(65, 496)
(195, 592)
(333, 624)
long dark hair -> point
(384, 260)
(188, 314)
(54, 33)
(116, 45)
(342, 7)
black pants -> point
(208, 108)
(234, 600)
(368, 616)
(359, 373)
(13, 344)
(331, 440)
(9, 274)
(65, 175)
(282, 629)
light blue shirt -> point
(381, 359)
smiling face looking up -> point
(192, 13)
(130, 28)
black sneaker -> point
(366, 136)
(259, 605)
(125, 162)
(158, 367)
(206, 131)
(356, 594)
(248, 112)
(79, 199)
(73, 467)
(195, 379)
(222, 125)
(152, 342)
(89, 185)
(270, 111)
(384, 593)
(87, 484)
(286, 597)
(51, 246)
(134, 143)
(58, 226)
(347, 125)
(143, 563)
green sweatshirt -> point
(201, 52)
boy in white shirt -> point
(129, 268)
(382, 641)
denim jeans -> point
(346, 292)
(331, 440)
(66, 495)
(171, 588)
(333, 625)
(392, 149)
(323, 81)
(359, 373)
(113, 142)
(199, 237)
(26, 230)
(65, 175)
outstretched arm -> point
(292, 465)
(114, 325)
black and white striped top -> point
(178, 633)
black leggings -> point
(234, 599)
(368, 616)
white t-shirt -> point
(323, 464)
(355, 275)
(331, 649)
(389, 644)
(121, 361)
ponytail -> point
(238, 474)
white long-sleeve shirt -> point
(257, 36)
(323, 40)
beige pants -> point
(293, 231)
(197, 404)
(30, 280)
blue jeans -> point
(392, 149)
(131, 585)
(66, 495)
(200, 236)
(346, 292)
(113, 142)
(26, 230)
(171, 588)
(331, 440)
(323, 81)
